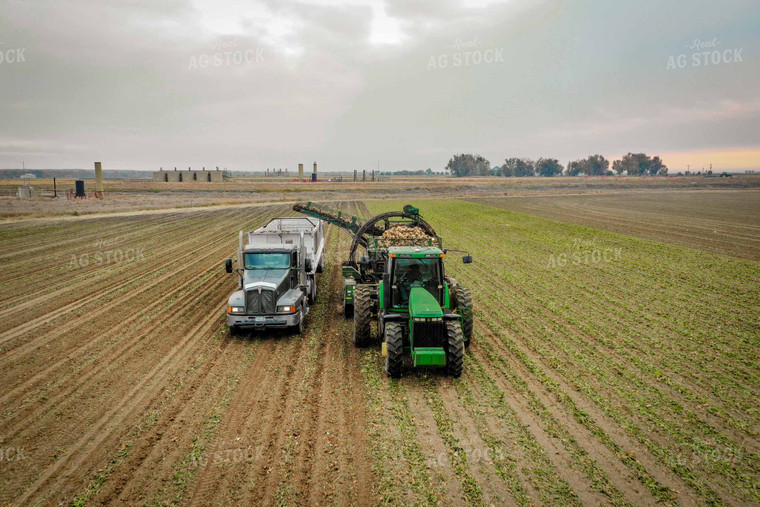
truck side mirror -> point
(467, 259)
(228, 265)
(308, 264)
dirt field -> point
(722, 221)
(134, 194)
(605, 369)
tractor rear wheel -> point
(454, 348)
(394, 346)
(463, 302)
(362, 316)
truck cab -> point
(277, 274)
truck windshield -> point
(267, 260)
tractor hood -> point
(423, 304)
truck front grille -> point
(259, 301)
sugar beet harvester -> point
(400, 283)
(277, 269)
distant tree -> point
(640, 164)
(508, 168)
(593, 165)
(518, 167)
(657, 168)
(596, 165)
(468, 165)
(429, 171)
(548, 167)
(574, 168)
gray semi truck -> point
(277, 270)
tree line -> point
(632, 164)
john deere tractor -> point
(401, 285)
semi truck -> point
(277, 267)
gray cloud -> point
(122, 82)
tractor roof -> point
(415, 251)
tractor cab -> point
(414, 306)
(414, 267)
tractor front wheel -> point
(362, 316)
(394, 345)
(454, 348)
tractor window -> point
(410, 273)
(267, 261)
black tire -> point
(235, 331)
(313, 295)
(348, 310)
(362, 316)
(463, 303)
(394, 344)
(298, 328)
(454, 348)
(321, 265)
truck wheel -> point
(235, 331)
(463, 301)
(362, 316)
(454, 348)
(394, 344)
(299, 327)
(312, 296)
(321, 265)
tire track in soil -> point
(433, 447)
(332, 465)
(285, 481)
(654, 468)
(212, 288)
(156, 463)
(62, 284)
(510, 439)
(149, 460)
(53, 477)
(105, 363)
(618, 474)
(123, 325)
(626, 444)
(495, 491)
(95, 294)
(220, 231)
(289, 379)
(661, 474)
(210, 485)
(557, 454)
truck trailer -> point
(277, 269)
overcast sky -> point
(256, 84)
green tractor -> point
(401, 285)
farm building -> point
(188, 175)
